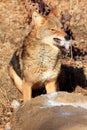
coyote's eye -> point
(52, 29)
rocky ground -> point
(15, 17)
(59, 111)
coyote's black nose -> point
(67, 37)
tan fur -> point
(16, 78)
(39, 56)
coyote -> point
(37, 60)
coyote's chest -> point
(40, 63)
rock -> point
(15, 104)
(7, 126)
(54, 111)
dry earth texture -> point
(15, 18)
(55, 111)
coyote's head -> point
(49, 31)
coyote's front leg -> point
(51, 86)
(17, 80)
(27, 90)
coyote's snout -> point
(37, 60)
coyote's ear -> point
(38, 19)
(54, 11)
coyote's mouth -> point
(57, 40)
(62, 43)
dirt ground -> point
(55, 111)
(14, 26)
